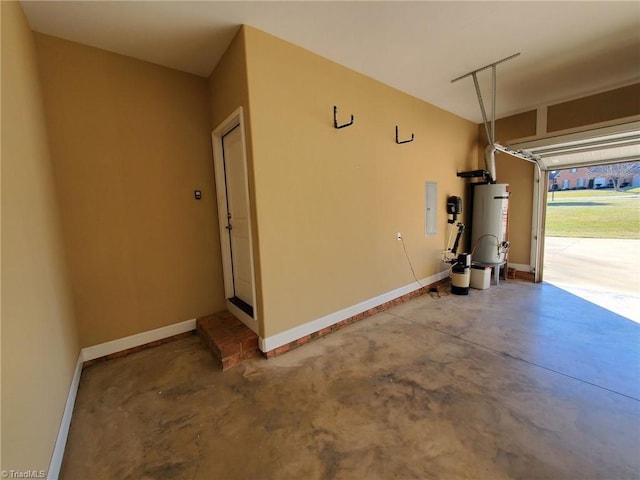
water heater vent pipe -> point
(490, 161)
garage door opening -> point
(592, 235)
(586, 219)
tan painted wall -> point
(618, 103)
(39, 343)
(329, 202)
(130, 143)
(228, 81)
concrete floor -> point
(519, 381)
(604, 271)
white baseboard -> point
(266, 344)
(97, 351)
(269, 343)
(65, 423)
(125, 343)
(521, 267)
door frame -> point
(538, 220)
(235, 120)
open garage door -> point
(570, 250)
(619, 143)
(595, 146)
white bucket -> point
(460, 282)
(480, 277)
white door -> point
(234, 218)
(238, 218)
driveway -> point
(602, 271)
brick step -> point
(230, 340)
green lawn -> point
(593, 214)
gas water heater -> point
(489, 223)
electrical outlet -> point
(399, 236)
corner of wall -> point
(39, 336)
(130, 143)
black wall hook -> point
(335, 119)
(403, 141)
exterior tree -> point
(615, 172)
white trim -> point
(291, 335)
(97, 351)
(125, 343)
(541, 120)
(593, 92)
(232, 121)
(573, 136)
(65, 423)
(250, 322)
(229, 123)
(570, 98)
(557, 136)
(539, 185)
(520, 267)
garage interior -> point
(115, 120)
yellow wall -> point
(39, 343)
(618, 103)
(130, 142)
(329, 202)
(228, 81)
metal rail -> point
(486, 67)
(489, 129)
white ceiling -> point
(568, 49)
